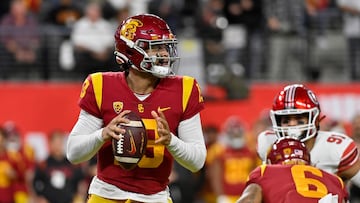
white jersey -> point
(332, 151)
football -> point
(130, 148)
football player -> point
(296, 113)
(288, 177)
(169, 106)
(229, 161)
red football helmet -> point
(288, 151)
(233, 133)
(295, 100)
(137, 36)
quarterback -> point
(169, 106)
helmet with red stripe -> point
(296, 100)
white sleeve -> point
(85, 138)
(264, 142)
(189, 148)
(356, 179)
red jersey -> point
(7, 190)
(236, 165)
(296, 183)
(105, 95)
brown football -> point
(131, 146)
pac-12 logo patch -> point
(118, 106)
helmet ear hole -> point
(119, 60)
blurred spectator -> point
(4, 7)
(119, 16)
(58, 19)
(93, 37)
(25, 155)
(209, 24)
(64, 14)
(9, 171)
(232, 161)
(355, 134)
(19, 41)
(325, 41)
(287, 40)
(234, 41)
(246, 18)
(56, 180)
(33, 5)
(351, 27)
(317, 12)
(169, 10)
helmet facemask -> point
(159, 65)
(300, 132)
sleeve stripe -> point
(97, 85)
(188, 83)
(262, 168)
(349, 157)
(341, 181)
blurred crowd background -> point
(225, 44)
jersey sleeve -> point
(349, 157)
(256, 174)
(192, 100)
(89, 100)
(264, 142)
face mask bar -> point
(165, 60)
(300, 132)
(154, 64)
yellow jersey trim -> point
(188, 83)
(262, 169)
(97, 81)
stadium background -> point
(42, 97)
(39, 108)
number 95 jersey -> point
(105, 95)
(333, 152)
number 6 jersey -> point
(296, 183)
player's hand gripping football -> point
(163, 128)
(112, 130)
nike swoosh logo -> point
(163, 109)
(132, 144)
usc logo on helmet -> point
(129, 28)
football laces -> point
(120, 144)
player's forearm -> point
(189, 148)
(85, 139)
(355, 179)
(251, 194)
